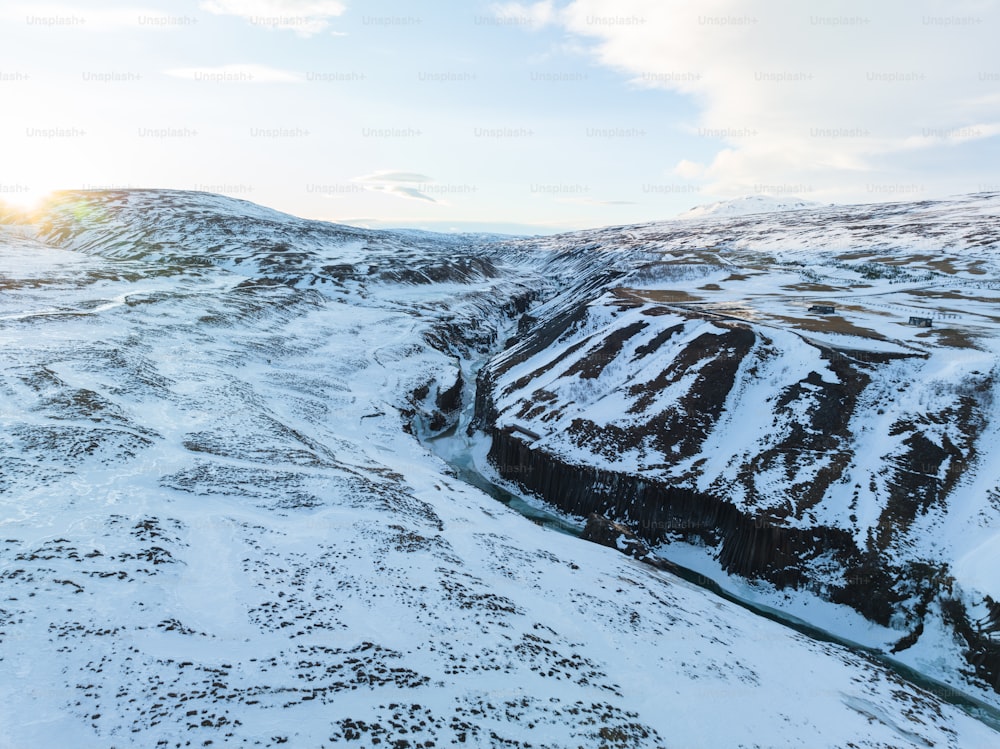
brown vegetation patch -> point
(856, 255)
(829, 324)
(951, 294)
(663, 296)
(819, 288)
(945, 266)
(949, 337)
(658, 311)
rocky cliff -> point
(770, 400)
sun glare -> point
(24, 196)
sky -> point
(515, 117)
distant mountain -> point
(746, 205)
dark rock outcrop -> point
(749, 546)
(629, 512)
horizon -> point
(527, 118)
(27, 211)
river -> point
(460, 451)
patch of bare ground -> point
(658, 311)
(813, 287)
(710, 287)
(950, 338)
(663, 296)
(902, 259)
(705, 257)
(687, 260)
(828, 324)
(951, 294)
(856, 255)
(944, 266)
(732, 309)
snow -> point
(748, 204)
(978, 567)
(215, 527)
(877, 265)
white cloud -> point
(236, 74)
(305, 17)
(404, 191)
(409, 185)
(827, 96)
(82, 18)
(530, 15)
(386, 176)
(689, 169)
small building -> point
(921, 322)
(823, 309)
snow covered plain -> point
(216, 530)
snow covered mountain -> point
(805, 400)
(748, 204)
(223, 524)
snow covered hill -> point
(219, 529)
(803, 399)
(748, 204)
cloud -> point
(689, 169)
(930, 137)
(82, 18)
(410, 185)
(409, 192)
(304, 17)
(248, 73)
(395, 177)
(530, 15)
(828, 96)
